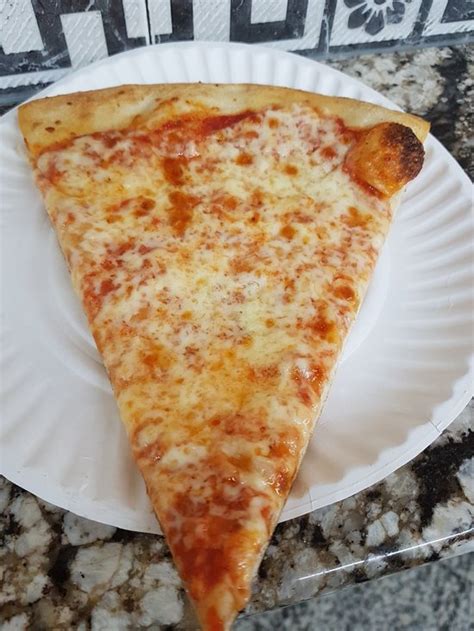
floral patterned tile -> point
(365, 21)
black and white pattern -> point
(368, 21)
(41, 40)
(373, 17)
(49, 35)
(450, 16)
(171, 20)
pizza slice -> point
(221, 239)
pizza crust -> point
(53, 120)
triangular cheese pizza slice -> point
(221, 239)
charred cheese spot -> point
(386, 157)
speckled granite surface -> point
(58, 571)
(431, 597)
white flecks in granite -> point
(154, 574)
(402, 484)
(348, 556)
(24, 581)
(373, 510)
(94, 567)
(300, 577)
(17, 623)
(36, 534)
(8, 592)
(26, 511)
(380, 529)
(375, 565)
(375, 533)
(390, 523)
(414, 87)
(409, 510)
(125, 565)
(465, 475)
(78, 530)
(464, 424)
(34, 589)
(411, 546)
(332, 580)
(163, 572)
(428, 598)
(108, 615)
(354, 538)
(455, 548)
(154, 546)
(435, 597)
(49, 616)
(31, 541)
(162, 606)
(327, 517)
(105, 620)
(452, 517)
(463, 145)
(49, 508)
(345, 516)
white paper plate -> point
(407, 370)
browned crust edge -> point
(47, 121)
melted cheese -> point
(220, 273)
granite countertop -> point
(60, 571)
